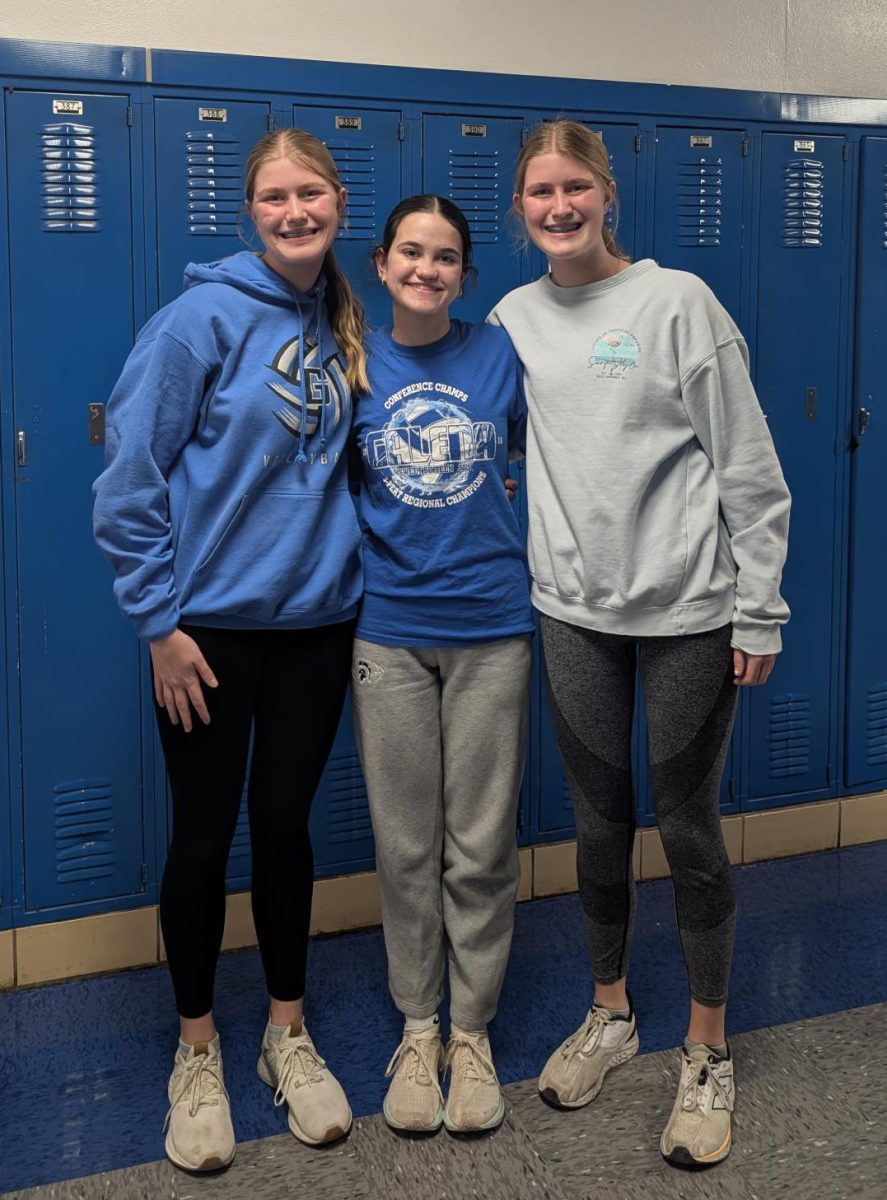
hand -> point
(751, 669)
(511, 486)
(178, 669)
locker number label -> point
(349, 123)
(702, 140)
(212, 114)
(474, 131)
(804, 146)
(70, 108)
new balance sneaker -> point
(318, 1109)
(199, 1133)
(575, 1073)
(475, 1101)
(414, 1100)
(699, 1130)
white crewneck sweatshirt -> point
(657, 504)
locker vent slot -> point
(789, 735)
(84, 830)
(876, 725)
(240, 844)
(214, 175)
(357, 170)
(70, 178)
(700, 192)
(803, 188)
(474, 186)
(347, 808)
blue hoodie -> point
(221, 504)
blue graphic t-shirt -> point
(444, 558)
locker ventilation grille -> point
(876, 725)
(214, 173)
(789, 735)
(357, 170)
(240, 845)
(347, 809)
(700, 191)
(84, 830)
(70, 179)
(474, 186)
(803, 187)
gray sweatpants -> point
(690, 700)
(442, 736)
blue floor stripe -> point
(84, 1065)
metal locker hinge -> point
(144, 874)
(130, 115)
(810, 403)
(401, 131)
(20, 447)
(745, 147)
(269, 122)
(863, 418)
(638, 143)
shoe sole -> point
(333, 1134)
(550, 1096)
(393, 1123)
(682, 1157)
(208, 1166)
(494, 1122)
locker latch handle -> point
(20, 446)
(96, 424)
(864, 416)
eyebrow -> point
(566, 182)
(419, 246)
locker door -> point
(867, 645)
(71, 246)
(697, 222)
(471, 160)
(802, 230)
(200, 151)
(367, 148)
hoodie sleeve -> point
(727, 419)
(152, 414)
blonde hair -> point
(346, 311)
(577, 141)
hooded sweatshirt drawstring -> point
(318, 298)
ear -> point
(341, 201)
(381, 260)
(518, 203)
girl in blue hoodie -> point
(224, 509)
(441, 662)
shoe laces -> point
(589, 1033)
(702, 1085)
(200, 1084)
(299, 1065)
(417, 1058)
(471, 1058)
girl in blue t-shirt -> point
(441, 661)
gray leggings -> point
(690, 702)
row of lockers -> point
(110, 194)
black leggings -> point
(288, 688)
(690, 702)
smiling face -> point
(563, 204)
(296, 214)
(423, 272)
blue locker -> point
(698, 217)
(866, 729)
(71, 237)
(471, 159)
(802, 232)
(200, 151)
(366, 144)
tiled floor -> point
(82, 1065)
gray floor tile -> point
(502, 1165)
(843, 1167)
(277, 1168)
(151, 1181)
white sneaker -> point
(414, 1100)
(475, 1100)
(318, 1109)
(199, 1133)
(575, 1073)
(699, 1130)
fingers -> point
(751, 670)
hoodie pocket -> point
(281, 554)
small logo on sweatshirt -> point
(324, 387)
(614, 354)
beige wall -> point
(782, 45)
